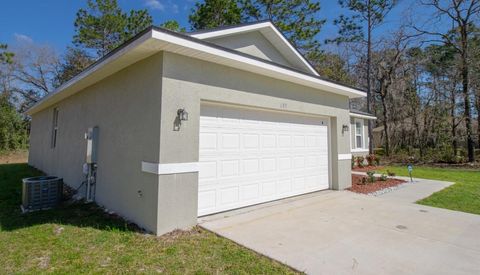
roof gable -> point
(261, 39)
(154, 40)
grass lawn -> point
(462, 196)
(80, 238)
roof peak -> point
(221, 28)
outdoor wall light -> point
(344, 128)
(182, 114)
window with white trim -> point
(54, 127)
(359, 133)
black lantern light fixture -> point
(182, 114)
(344, 128)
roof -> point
(155, 39)
(270, 32)
(361, 114)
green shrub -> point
(390, 173)
(371, 159)
(371, 176)
(383, 177)
(379, 151)
(360, 161)
(377, 160)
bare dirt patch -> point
(359, 187)
(14, 157)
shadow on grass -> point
(77, 214)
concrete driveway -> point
(339, 232)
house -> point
(359, 140)
(187, 125)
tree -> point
(5, 57)
(104, 26)
(462, 14)
(298, 20)
(367, 15)
(215, 13)
(442, 64)
(333, 67)
(172, 25)
(74, 62)
(33, 72)
(389, 69)
(13, 134)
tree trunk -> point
(478, 119)
(369, 88)
(454, 126)
(385, 126)
(466, 95)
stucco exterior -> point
(126, 107)
(136, 112)
(253, 43)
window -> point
(358, 134)
(54, 127)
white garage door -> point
(249, 156)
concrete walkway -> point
(413, 191)
(340, 232)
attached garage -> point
(250, 156)
(192, 124)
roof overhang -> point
(364, 116)
(154, 40)
(271, 33)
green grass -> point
(463, 196)
(80, 238)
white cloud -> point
(175, 8)
(22, 38)
(155, 5)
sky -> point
(51, 21)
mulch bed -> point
(367, 168)
(358, 187)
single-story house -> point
(189, 124)
(359, 140)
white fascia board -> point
(363, 116)
(249, 28)
(104, 68)
(278, 72)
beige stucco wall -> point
(135, 110)
(187, 82)
(253, 43)
(126, 107)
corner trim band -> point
(344, 156)
(169, 168)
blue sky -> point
(51, 21)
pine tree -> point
(172, 25)
(298, 20)
(104, 26)
(215, 13)
(367, 14)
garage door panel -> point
(251, 156)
